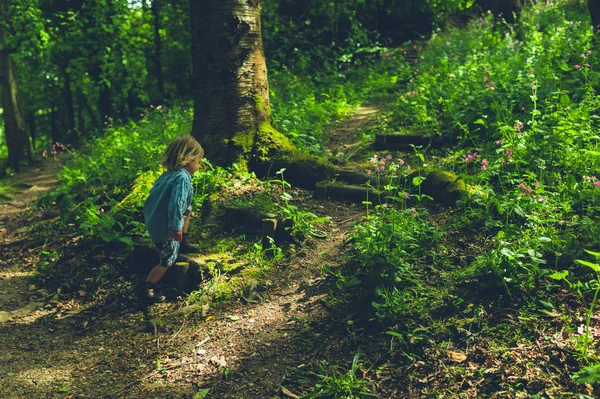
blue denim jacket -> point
(169, 201)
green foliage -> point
(111, 178)
(303, 222)
(333, 382)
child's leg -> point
(156, 274)
(186, 246)
(186, 223)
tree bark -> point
(158, 71)
(69, 103)
(594, 8)
(231, 94)
(230, 77)
(17, 137)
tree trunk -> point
(594, 8)
(54, 126)
(32, 127)
(69, 103)
(231, 94)
(17, 137)
(158, 49)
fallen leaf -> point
(458, 357)
(289, 394)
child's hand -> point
(177, 236)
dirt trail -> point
(14, 276)
(54, 346)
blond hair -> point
(182, 151)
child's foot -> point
(149, 294)
(186, 247)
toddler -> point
(168, 208)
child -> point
(167, 209)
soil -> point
(72, 343)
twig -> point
(177, 333)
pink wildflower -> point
(497, 142)
(406, 196)
(469, 158)
(483, 167)
(576, 66)
(484, 161)
(597, 183)
(503, 161)
(509, 153)
(589, 51)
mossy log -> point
(301, 169)
(444, 187)
(186, 274)
(404, 141)
(258, 222)
(342, 192)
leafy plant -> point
(302, 222)
(562, 275)
(333, 382)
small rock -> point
(201, 352)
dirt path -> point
(57, 346)
(15, 273)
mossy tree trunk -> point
(17, 136)
(231, 93)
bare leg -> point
(186, 223)
(156, 274)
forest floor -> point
(57, 345)
(78, 345)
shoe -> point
(149, 294)
(186, 247)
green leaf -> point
(479, 122)
(565, 100)
(201, 394)
(559, 275)
(418, 180)
(127, 240)
(593, 266)
(596, 254)
(562, 65)
(394, 334)
(233, 318)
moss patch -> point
(445, 187)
